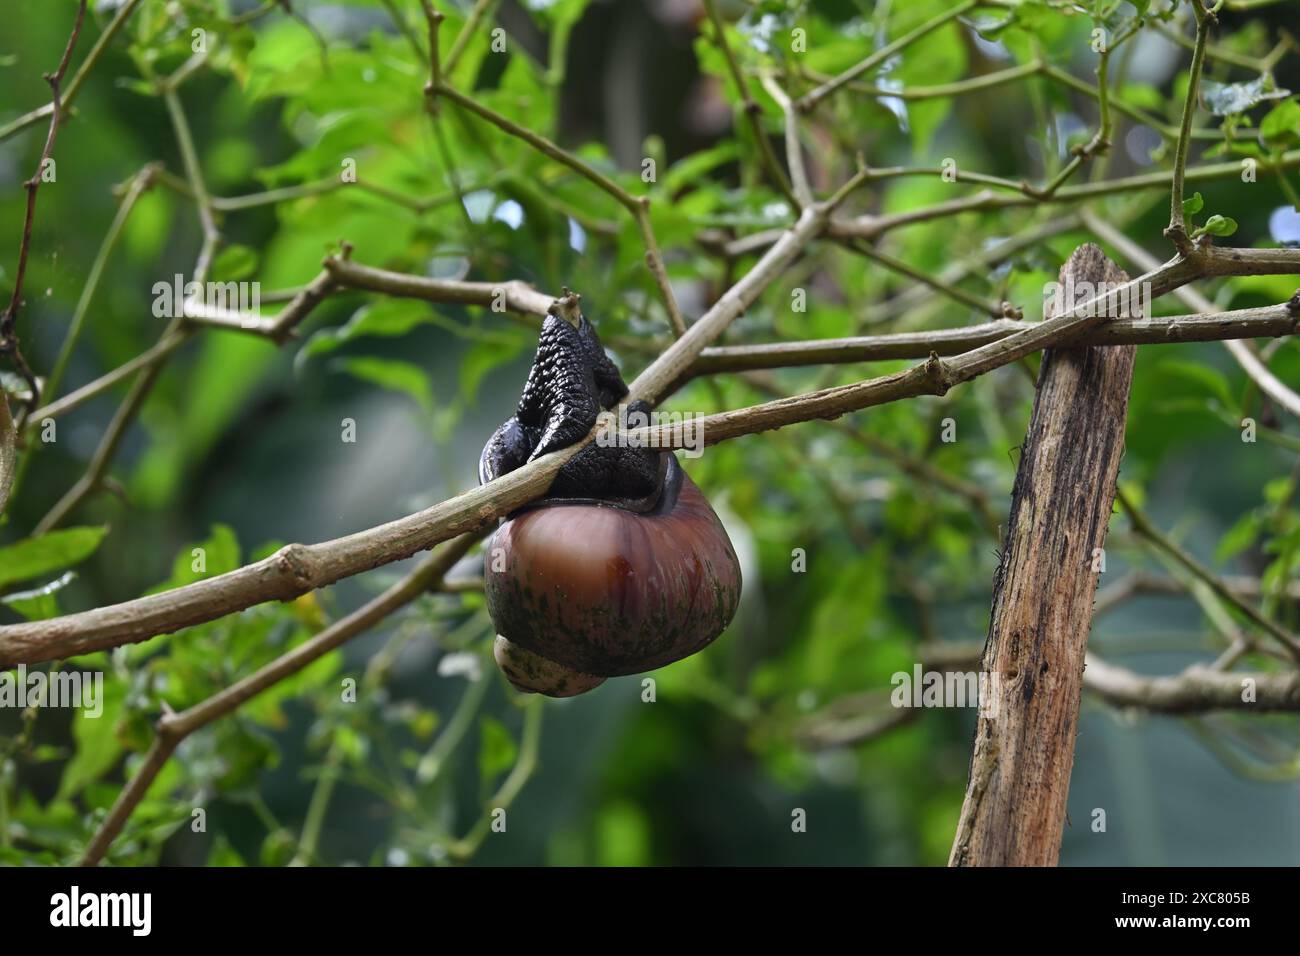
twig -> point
(908, 464)
(480, 11)
(793, 149)
(753, 112)
(1197, 690)
(297, 569)
(1143, 526)
(1258, 372)
(871, 226)
(1177, 229)
(1268, 321)
(9, 342)
(542, 145)
(175, 727)
(525, 765)
(434, 19)
(654, 260)
(140, 183)
(143, 385)
(638, 206)
(79, 78)
(813, 97)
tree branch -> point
(1272, 321)
(1197, 690)
(1268, 383)
(175, 727)
(9, 341)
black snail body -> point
(624, 567)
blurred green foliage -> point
(236, 448)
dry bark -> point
(1014, 812)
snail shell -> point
(585, 589)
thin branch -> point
(942, 90)
(79, 78)
(434, 20)
(140, 183)
(542, 145)
(525, 765)
(126, 412)
(1177, 230)
(638, 206)
(75, 399)
(813, 97)
(952, 291)
(753, 111)
(482, 10)
(175, 727)
(1266, 322)
(803, 193)
(512, 295)
(297, 568)
(911, 465)
(654, 260)
(1250, 363)
(9, 341)
(1197, 690)
(872, 226)
(1144, 527)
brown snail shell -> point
(585, 589)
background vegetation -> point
(237, 447)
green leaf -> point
(1193, 205)
(98, 746)
(623, 835)
(387, 319)
(1220, 225)
(1238, 538)
(235, 263)
(497, 749)
(40, 603)
(481, 358)
(52, 551)
(278, 848)
(223, 854)
(1280, 129)
(217, 555)
(1211, 379)
(392, 374)
(687, 172)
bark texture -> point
(1014, 812)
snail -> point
(624, 566)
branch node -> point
(294, 560)
(566, 306)
(939, 374)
